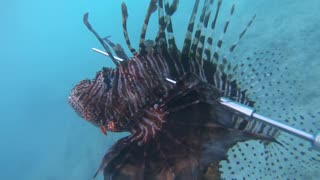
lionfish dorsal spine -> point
(104, 45)
(117, 49)
(124, 11)
(209, 41)
(204, 29)
(216, 56)
(170, 10)
(160, 41)
(152, 8)
(197, 35)
(234, 45)
(188, 38)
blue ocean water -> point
(45, 51)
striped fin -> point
(220, 78)
(215, 57)
(196, 37)
(195, 64)
(222, 81)
(234, 45)
(160, 40)
(188, 38)
(201, 47)
(117, 49)
(203, 36)
(255, 127)
(225, 66)
(276, 92)
(124, 26)
(152, 8)
(172, 50)
(293, 160)
(209, 41)
(170, 10)
(105, 46)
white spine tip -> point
(172, 81)
(106, 54)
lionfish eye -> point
(107, 77)
(108, 82)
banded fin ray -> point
(117, 49)
(216, 72)
(105, 46)
(124, 11)
(235, 92)
(151, 9)
(170, 10)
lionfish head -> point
(86, 97)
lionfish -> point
(168, 100)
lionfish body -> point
(178, 128)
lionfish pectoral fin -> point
(181, 97)
(149, 126)
(207, 144)
(212, 171)
(190, 90)
(114, 152)
(124, 11)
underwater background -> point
(45, 50)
